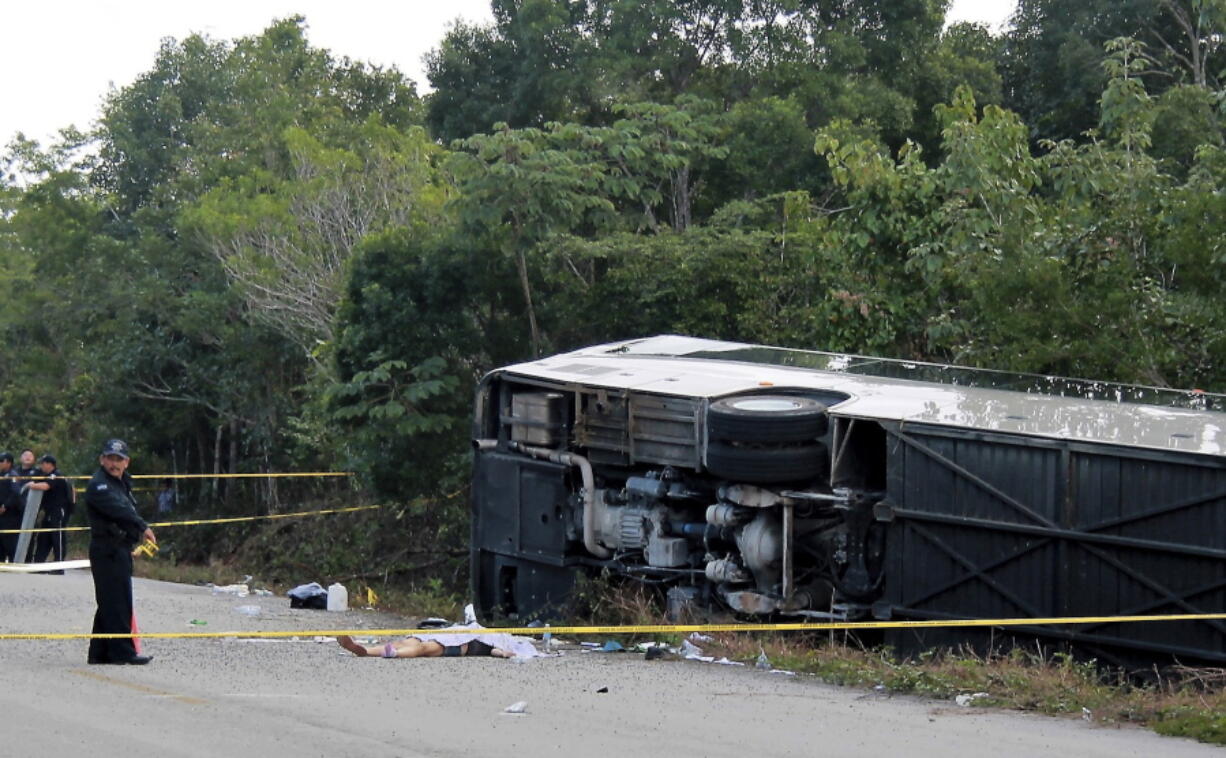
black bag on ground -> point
(308, 596)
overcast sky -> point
(61, 57)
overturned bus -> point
(778, 482)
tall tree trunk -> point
(271, 497)
(217, 458)
(202, 458)
(521, 263)
(232, 485)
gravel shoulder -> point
(304, 698)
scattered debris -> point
(612, 646)
(338, 597)
(434, 622)
(725, 662)
(966, 700)
(248, 610)
(197, 622)
(763, 663)
(692, 652)
(602, 691)
(261, 592)
(1087, 714)
(241, 590)
(517, 707)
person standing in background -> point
(10, 508)
(57, 505)
(167, 498)
(22, 472)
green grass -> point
(1179, 701)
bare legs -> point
(409, 647)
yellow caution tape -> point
(198, 522)
(270, 475)
(637, 629)
(287, 475)
(269, 517)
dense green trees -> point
(265, 256)
(133, 288)
(1051, 56)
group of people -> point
(116, 528)
(17, 479)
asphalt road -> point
(307, 698)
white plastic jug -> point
(338, 597)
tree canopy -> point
(265, 256)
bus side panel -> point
(1002, 526)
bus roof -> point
(904, 391)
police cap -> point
(115, 447)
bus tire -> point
(766, 418)
(766, 465)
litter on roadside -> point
(516, 707)
(692, 652)
(966, 700)
(762, 663)
(240, 590)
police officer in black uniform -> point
(22, 471)
(57, 508)
(25, 467)
(115, 529)
(11, 508)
